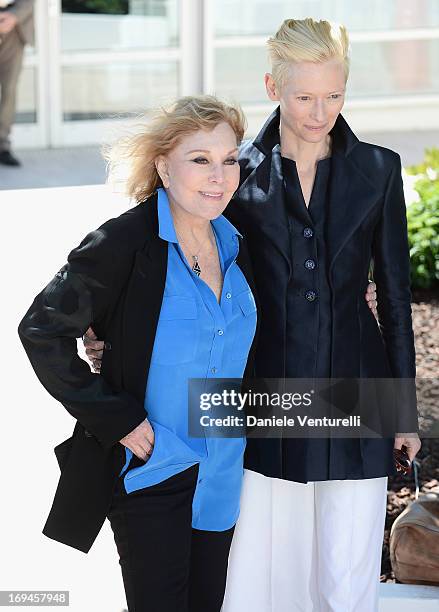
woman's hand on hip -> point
(141, 440)
(411, 441)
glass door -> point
(97, 62)
(111, 58)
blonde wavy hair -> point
(162, 130)
(307, 40)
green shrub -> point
(423, 223)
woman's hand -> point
(371, 298)
(93, 349)
(411, 441)
(141, 440)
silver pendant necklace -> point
(196, 265)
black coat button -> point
(88, 434)
(310, 264)
(107, 346)
(310, 296)
(308, 232)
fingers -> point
(141, 440)
(413, 447)
(96, 364)
(150, 435)
(411, 453)
(89, 334)
(144, 452)
(147, 430)
(371, 296)
(94, 354)
(398, 443)
(411, 442)
(96, 345)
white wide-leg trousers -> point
(312, 547)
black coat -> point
(366, 223)
(114, 281)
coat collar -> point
(343, 138)
(352, 194)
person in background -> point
(16, 30)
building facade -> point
(95, 62)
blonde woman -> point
(168, 286)
(317, 206)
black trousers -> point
(167, 566)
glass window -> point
(376, 70)
(118, 24)
(263, 17)
(239, 74)
(117, 89)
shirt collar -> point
(166, 223)
(224, 229)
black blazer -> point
(114, 281)
(366, 223)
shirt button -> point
(308, 232)
(213, 370)
(201, 480)
(220, 332)
(310, 264)
(310, 296)
(228, 296)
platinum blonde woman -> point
(312, 517)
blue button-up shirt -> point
(197, 337)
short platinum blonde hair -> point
(306, 40)
(160, 132)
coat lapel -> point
(263, 187)
(351, 197)
(143, 303)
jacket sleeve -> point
(82, 292)
(22, 9)
(390, 251)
